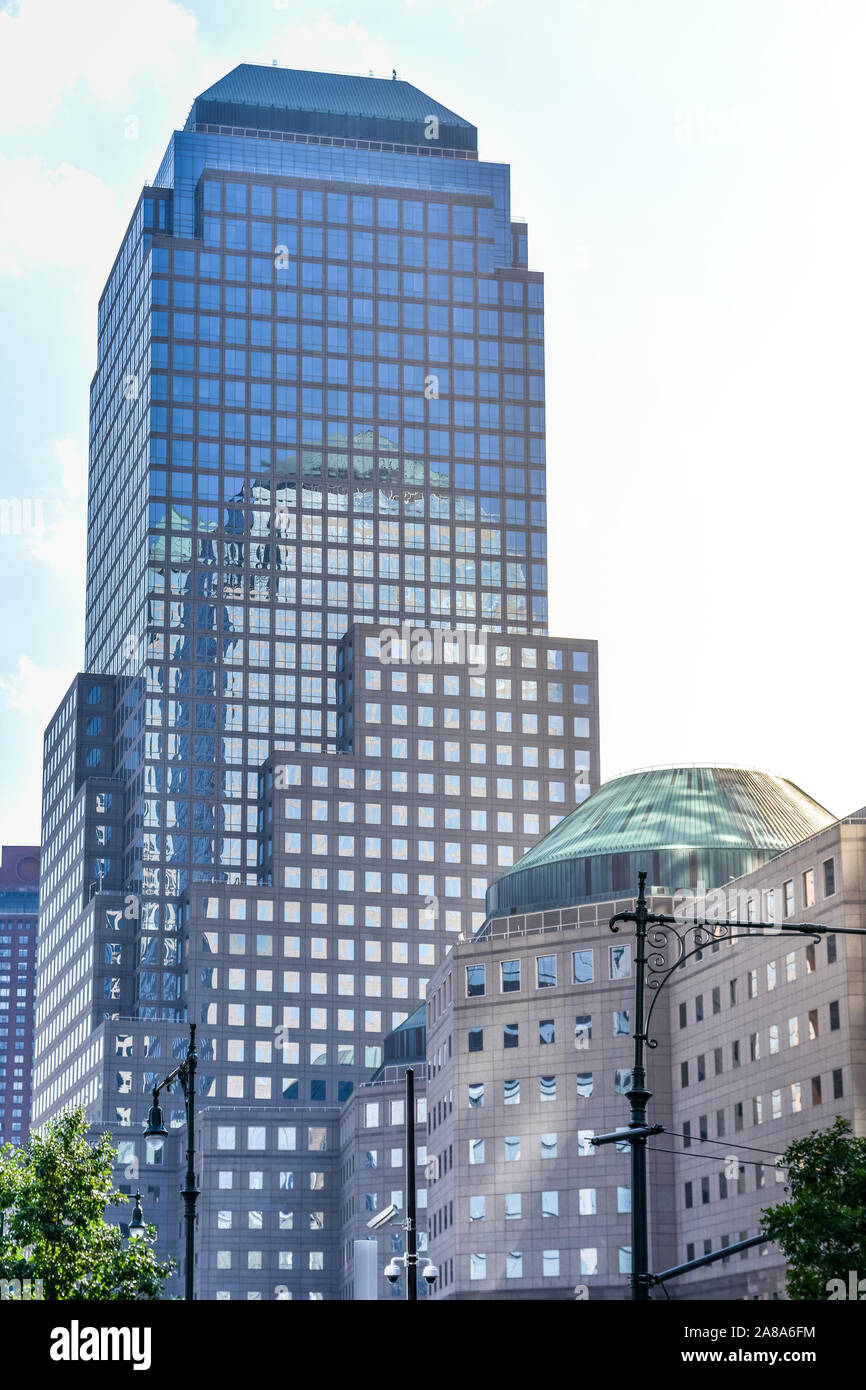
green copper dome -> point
(685, 826)
(405, 1045)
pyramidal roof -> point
(261, 97)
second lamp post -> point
(156, 1134)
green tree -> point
(53, 1194)
(822, 1228)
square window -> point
(581, 972)
(545, 971)
(510, 972)
(829, 867)
(475, 981)
(549, 1204)
(620, 962)
(809, 888)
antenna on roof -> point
(393, 74)
(274, 63)
(370, 73)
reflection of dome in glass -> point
(685, 826)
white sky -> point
(691, 171)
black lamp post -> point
(410, 1225)
(653, 969)
(137, 1227)
(156, 1132)
(411, 1199)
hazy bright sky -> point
(692, 175)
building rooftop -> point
(327, 103)
(19, 867)
(712, 818)
(405, 1045)
(687, 807)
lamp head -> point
(155, 1131)
(136, 1225)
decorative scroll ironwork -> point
(666, 931)
(657, 961)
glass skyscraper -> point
(321, 709)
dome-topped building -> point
(687, 827)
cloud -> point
(460, 9)
(51, 218)
(101, 50)
(331, 47)
(73, 467)
(36, 690)
(47, 50)
(60, 542)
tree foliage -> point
(822, 1228)
(53, 1195)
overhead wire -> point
(699, 1158)
(704, 1139)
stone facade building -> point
(760, 1039)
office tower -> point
(529, 1040)
(320, 707)
(19, 909)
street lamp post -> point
(638, 1096)
(409, 1260)
(654, 932)
(156, 1132)
(411, 1196)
